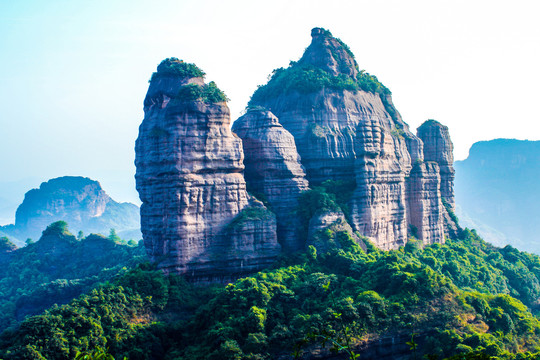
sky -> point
(74, 73)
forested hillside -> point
(58, 268)
(462, 297)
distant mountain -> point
(11, 195)
(79, 201)
(498, 191)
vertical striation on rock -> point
(196, 215)
(424, 202)
(346, 129)
(273, 170)
(439, 148)
(320, 119)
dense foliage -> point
(176, 67)
(6, 245)
(458, 299)
(208, 93)
(58, 268)
(306, 78)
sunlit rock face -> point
(347, 133)
(321, 121)
(197, 218)
(273, 171)
(439, 148)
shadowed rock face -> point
(424, 202)
(189, 178)
(273, 170)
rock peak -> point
(330, 54)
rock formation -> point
(321, 123)
(346, 127)
(425, 207)
(340, 230)
(273, 170)
(439, 148)
(79, 201)
(196, 215)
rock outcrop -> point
(425, 207)
(196, 215)
(329, 230)
(322, 124)
(346, 127)
(439, 148)
(79, 201)
(273, 171)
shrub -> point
(208, 93)
(175, 67)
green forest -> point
(464, 299)
(58, 268)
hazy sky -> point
(74, 73)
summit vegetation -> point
(306, 79)
(175, 67)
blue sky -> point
(74, 73)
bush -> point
(208, 93)
(175, 67)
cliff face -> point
(346, 127)
(424, 203)
(189, 178)
(79, 201)
(320, 119)
(273, 170)
(439, 148)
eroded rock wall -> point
(190, 181)
(424, 203)
(439, 148)
(344, 133)
(273, 171)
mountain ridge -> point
(80, 201)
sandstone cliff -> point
(346, 128)
(79, 201)
(439, 148)
(196, 215)
(273, 171)
(318, 124)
